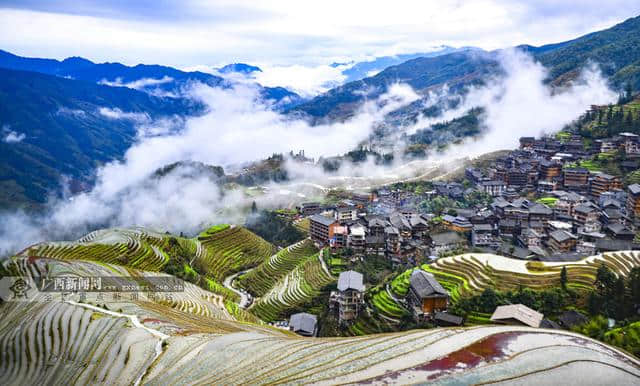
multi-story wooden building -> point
(550, 170)
(321, 228)
(349, 297)
(562, 241)
(576, 178)
(604, 182)
(426, 296)
(633, 201)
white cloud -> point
(10, 136)
(236, 129)
(306, 81)
(187, 33)
(137, 84)
(521, 104)
(116, 113)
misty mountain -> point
(362, 70)
(154, 79)
(616, 50)
(65, 129)
(456, 69)
(240, 68)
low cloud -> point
(520, 103)
(237, 128)
(137, 84)
(119, 114)
(149, 85)
(11, 136)
(307, 81)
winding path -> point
(228, 281)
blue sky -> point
(285, 32)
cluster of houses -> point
(581, 212)
(578, 212)
(428, 301)
(426, 298)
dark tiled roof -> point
(571, 318)
(424, 284)
(448, 318)
(561, 235)
(446, 238)
(546, 323)
(322, 219)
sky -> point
(187, 33)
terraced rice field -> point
(217, 252)
(472, 273)
(230, 250)
(260, 280)
(135, 248)
(382, 301)
(154, 342)
(297, 287)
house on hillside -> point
(445, 242)
(349, 297)
(321, 228)
(517, 314)
(304, 324)
(445, 319)
(426, 296)
(562, 241)
(571, 318)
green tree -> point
(634, 285)
(563, 278)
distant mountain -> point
(455, 69)
(154, 79)
(67, 127)
(166, 78)
(616, 50)
(240, 68)
(370, 68)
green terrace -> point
(297, 287)
(259, 280)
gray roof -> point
(446, 238)
(561, 235)
(391, 230)
(449, 318)
(571, 318)
(322, 219)
(584, 208)
(424, 284)
(350, 280)
(482, 227)
(377, 222)
(634, 189)
(303, 322)
(619, 229)
(399, 221)
(416, 219)
(538, 208)
(519, 312)
(448, 218)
